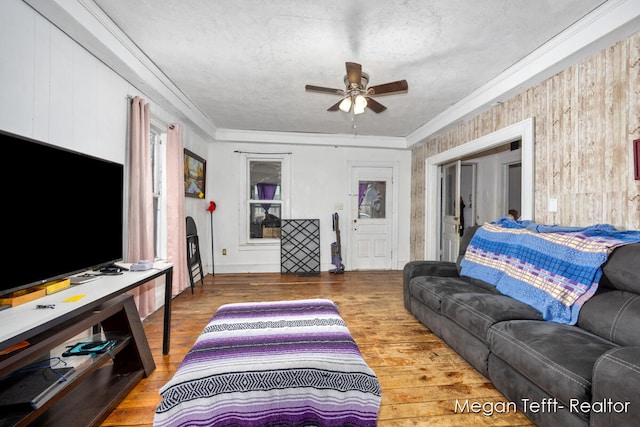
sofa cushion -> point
(464, 242)
(472, 349)
(424, 268)
(615, 365)
(621, 269)
(613, 315)
(430, 290)
(557, 358)
(518, 389)
(478, 312)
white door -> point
(450, 227)
(371, 218)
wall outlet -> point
(553, 205)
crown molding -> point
(304, 138)
(609, 23)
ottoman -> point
(284, 363)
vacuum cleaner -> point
(336, 249)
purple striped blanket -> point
(285, 363)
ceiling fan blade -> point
(375, 105)
(311, 88)
(335, 107)
(354, 73)
(400, 86)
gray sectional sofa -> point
(556, 374)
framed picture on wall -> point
(636, 159)
(195, 173)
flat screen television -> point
(63, 212)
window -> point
(157, 138)
(265, 202)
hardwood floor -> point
(420, 376)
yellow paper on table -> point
(75, 298)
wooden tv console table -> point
(98, 383)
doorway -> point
(523, 131)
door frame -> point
(524, 130)
(353, 208)
(457, 211)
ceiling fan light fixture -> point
(359, 104)
(357, 96)
(345, 105)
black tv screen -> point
(63, 212)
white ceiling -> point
(244, 63)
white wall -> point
(54, 91)
(320, 179)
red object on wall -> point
(636, 158)
(212, 206)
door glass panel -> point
(372, 199)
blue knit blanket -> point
(551, 268)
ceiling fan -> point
(357, 95)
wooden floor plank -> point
(420, 376)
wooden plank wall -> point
(586, 118)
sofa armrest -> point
(425, 268)
(616, 388)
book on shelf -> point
(15, 347)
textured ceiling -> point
(245, 63)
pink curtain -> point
(176, 228)
(140, 236)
